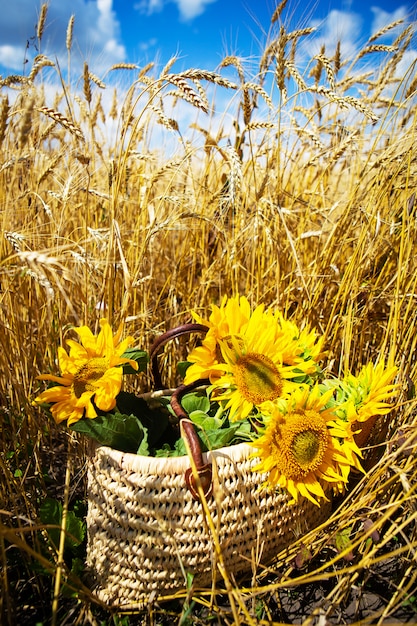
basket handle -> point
(204, 470)
(188, 432)
(184, 329)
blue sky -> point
(200, 32)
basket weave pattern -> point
(145, 531)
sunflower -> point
(251, 355)
(359, 398)
(250, 369)
(375, 383)
(308, 346)
(91, 376)
(225, 321)
(304, 448)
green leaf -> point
(244, 430)
(166, 451)
(119, 431)
(343, 543)
(154, 420)
(206, 422)
(143, 449)
(190, 579)
(50, 512)
(139, 356)
(182, 367)
(302, 557)
(132, 426)
(195, 401)
(76, 528)
(77, 569)
(220, 437)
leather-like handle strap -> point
(200, 475)
(184, 329)
(203, 470)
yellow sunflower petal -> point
(88, 340)
(91, 371)
(53, 394)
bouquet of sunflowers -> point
(254, 377)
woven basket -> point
(147, 528)
(146, 531)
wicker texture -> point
(145, 530)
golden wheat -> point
(4, 114)
(302, 199)
(41, 21)
(39, 62)
(61, 119)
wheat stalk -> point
(279, 9)
(15, 239)
(86, 84)
(61, 119)
(280, 61)
(48, 169)
(4, 115)
(123, 66)
(145, 70)
(261, 92)
(337, 59)
(293, 71)
(346, 101)
(375, 48)
(41, 21)
(257, 125)
(167, 67)
(39, 62)
(237, 63)
(70, 32)
(318, 68)
(211, 77)
(300, 32)
(96, 80)
(327, 64)
(114, 109)
(26, 121)
(13, 79)
(235, 179)
(382, 31)
(185, 92)
(312, 133)
(98, 110)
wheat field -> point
(299, 193)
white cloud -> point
(191, 8)
(96, 33)
(383, 18)
(342, 26)
(11, 57)
(147, 45)
(188, 9)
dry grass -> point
(307, 202)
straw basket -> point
(149, 524)
(146, 531)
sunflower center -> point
(306, 440)
(87, 374)
(257, 378)
(305, 447)
(299, 445)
